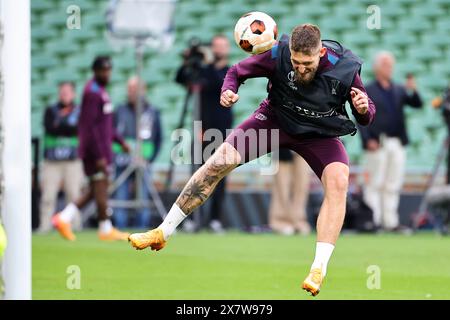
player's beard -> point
(304, 79)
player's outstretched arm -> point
(256, 66)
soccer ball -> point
(255, 32)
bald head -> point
(383, 65)
(133, 92)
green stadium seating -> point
(337, 25)
(40, 63)
(41, 33)
(416, 25)
(401, 39)
(62, 48)
(443, 25)
(80, 35)
(314, 8)
(418, 53)
(428, 10)
(392, 9)
(416, 31)
(38, 7)
(55, 19)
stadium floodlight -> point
(140, 23)
(140, 18)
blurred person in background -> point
(95, 133)
(150, 133)
(385, 140)
(61, 166)
(443, 103)
(290, 191)
(213, 116)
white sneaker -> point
(216, 226)
(189, 226)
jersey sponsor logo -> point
(334, 86)
(310, 113)
(291, 78)
(260, 116)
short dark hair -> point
(101, 62)
(305, 38)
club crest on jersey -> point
(334, 86)
(291, 78)
(260, 116)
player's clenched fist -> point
(228, 98)
(360, 100)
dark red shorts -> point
(317, 152)
(91, 171)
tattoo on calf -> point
(201, 186)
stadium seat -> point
(351, 10)
(427, 10)
(84, 5)
(40, 33)
(95, 48)
(62, 48)
(39, 7)
(43, 62)
(273, 9)
(80, 35)
(314, 9)
(336, 25)
(192, 8)
(401, 39)
(443, 25)
(423, 55)
(392, 9)
(415, 25)
(360, 39)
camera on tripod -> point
(194, 57)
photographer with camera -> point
(197, 70)
(443, 103)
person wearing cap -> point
(96, 134)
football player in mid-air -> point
(310, 82)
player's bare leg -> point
(329, 223)
(106, 231)
(199, 187)
(62, 220)
(98, 190)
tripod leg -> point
(180, 126)
(424, 204)
(154, 193)
(121, 178)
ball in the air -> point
(255, 32)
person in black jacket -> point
(213, 116)
(61, 166)
(385, 140)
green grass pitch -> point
(241, 266)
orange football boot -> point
(64, 228)
(152, 238)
